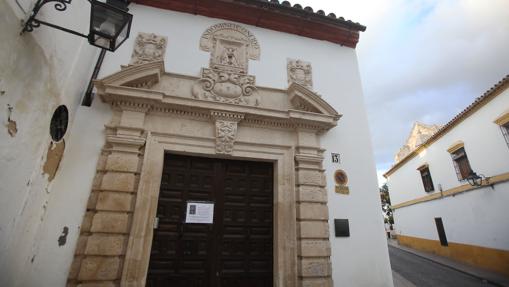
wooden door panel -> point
(236, 250)
(246, 253)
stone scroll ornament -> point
(299, 72)
(148, 47)
(231, 47)
(225, 87)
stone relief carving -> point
(225, 136)
(231, 47)
(226, 79)
(226, 87)
(226, 130)
(299, 72)
(148, 47)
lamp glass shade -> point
(109, 25)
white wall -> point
(476, 218)
(335, 77)
(465, 214)
(38, 72)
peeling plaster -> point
(62, 239)
(11, 125)
(53, 159)
(2, 91)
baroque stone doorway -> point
(116, 236)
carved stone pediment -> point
(226, 87)
(296, 106)
(143, 76)
(304, 99)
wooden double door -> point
(237, 248)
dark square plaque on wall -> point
(341, 228)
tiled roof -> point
(271, 14)
(470, 109)
(286, 6)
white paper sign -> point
(199, 212)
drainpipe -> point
(89, 95)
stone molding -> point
(148, 47)
(299, 72)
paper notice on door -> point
(200, 212)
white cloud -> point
(423, 60)
(380, 177)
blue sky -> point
(423, 60)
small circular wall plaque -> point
(340, 177)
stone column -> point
(105, 229)
(313, 246)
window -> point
(426, 179)
(461, 164)
(505, 132)
(503, 122)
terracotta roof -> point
(298, 10)
(271, 14)
(470, 109)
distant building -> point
(436, 209)
(250, 109)
(420, 133)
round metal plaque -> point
(340, 177)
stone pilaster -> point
(106, 226)
(313, 246)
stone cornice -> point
(133, 97)
(228, 116)
(117, 91)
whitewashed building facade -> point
(228, 104)
(436, 209)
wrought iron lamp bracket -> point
(32, 22)
(477, 180)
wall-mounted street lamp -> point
(110, 23)
(477, 180)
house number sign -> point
(335, 158)
(200, 212)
